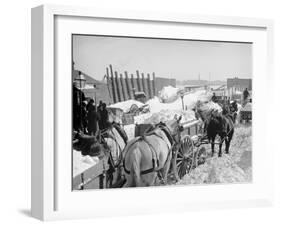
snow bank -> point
(168, 114)
(126, 105)
(206, 107)
(233, 168)
(168, 94)
(160, 111)
(215, 170)
(189, 101)
(82, 163)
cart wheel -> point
(183, 158)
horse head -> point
(175, 128)
(217, 123)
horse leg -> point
(220, 146)
(228, 143)
(213, 146)
(135, 169)
(166, 168)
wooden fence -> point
(122, 86)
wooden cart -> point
(190, 153)
(246, 113)
(97, 174)
(93, 177)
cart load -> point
(246, 112)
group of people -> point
(96, 117)
(87, 116)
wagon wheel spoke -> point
(183, 158)
(180, 154)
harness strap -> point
(152, 149)
(106, 134)
(155, 159)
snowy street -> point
(233, 168)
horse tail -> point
(135, 168)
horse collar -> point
(168, 134)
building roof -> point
(89, 79)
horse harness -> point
(106, 134)
(155, 157)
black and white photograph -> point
(160, 112)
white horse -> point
(115, 144)
(148, 157)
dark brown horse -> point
(221, 125)
(216, 123)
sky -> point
(180, 59)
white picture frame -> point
(51, 197)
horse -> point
(216, 123)
(148, 157)
(222, 125)
(110, 141)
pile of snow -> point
(160, 111)
(168, 94)
(216, 170)
(207, 107)
(82, 163)
(168, 114)
(156, 104)
(235, 167)
(139, 119)
(192, 98)
(189, 101)
(126, 105)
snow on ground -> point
(233, 168)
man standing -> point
(246, 94)
(77, 108)
(103, 117)
(92, 118)
(214, 98)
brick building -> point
(93, 87)
(239, 83)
